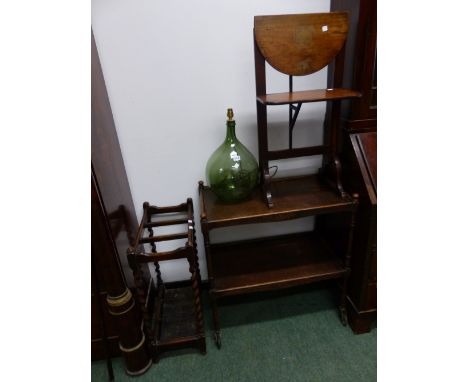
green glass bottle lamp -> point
(232, 170)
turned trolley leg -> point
(343, 313)
(215, 312)
(211, 294)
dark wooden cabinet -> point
(115, 320)
(360, 174)
(359, 155)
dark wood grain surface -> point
(301, 44)
(360, 71)
(273, 263)
(276, 262)
(368, 146)
(307, 96)
(294, 197)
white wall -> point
(171, 70)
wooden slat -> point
(179, 253)
(306, 96)
(166, 222)
(154, 239)
(176, 342)
(191, 237)
(164, 210)
(299, 152)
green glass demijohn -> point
(232, 171)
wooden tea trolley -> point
(275, 262)
(172, 316)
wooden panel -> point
(373, 266)
(360, 321)
(104, 256)
(100, 316)
(365, 71)
(361, 61)
(362, 173)
(373, 96)
(98, 348)
(104, 315)
(307, 96)
(359, 156)
(294, 197)
(371, 296)
(272, 263)
(301, 44)
(368, 146)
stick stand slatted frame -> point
(179, 322)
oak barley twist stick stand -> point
(172, 316)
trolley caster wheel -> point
(217, 339)
(344, 317)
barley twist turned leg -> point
(141, 298)
(197, 266)
(197, 301)
(156, 264)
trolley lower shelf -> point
(272, 263)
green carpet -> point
(290, 335)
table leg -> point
(215, 312)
